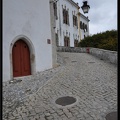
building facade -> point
(28, 37)
(84, 26)
(71, 25)
(33, 29)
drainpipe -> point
(79, 32)
(53, 26)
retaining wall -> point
(107, 55)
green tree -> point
(107, 40)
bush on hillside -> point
(106, 40)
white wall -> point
(70, 29)
(30, 18)
(83, 19)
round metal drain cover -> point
(73, 61)
(67, 100)
(111, 116)
(91, 62)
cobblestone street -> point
(93, 82)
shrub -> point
(106, 40)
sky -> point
(102, 15)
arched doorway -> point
(21, 59)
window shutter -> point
(83, 26)
(73, 20)
(77, 22)
(67, 18)
(86, 28)
(63, 16)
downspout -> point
(53, 41)
(78, 16)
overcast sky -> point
(102, 15)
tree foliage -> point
(107, 40)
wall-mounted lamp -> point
(85, 7)
(53, 1)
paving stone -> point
(55, 115)
(52, 111)
(12, 118)
(47, 114)
(32, 112)
(67, 113)
(60, 112)
(31, 117)
(34, 97)
(25, 118)
(37, 110)
(23, 115)
(49, 117)
(64, 116)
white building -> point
(71, 25)
(28, 37)
(84, 26)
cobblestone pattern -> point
(92, 81)
(107, 55)
(15, 93)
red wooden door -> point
(21, 59)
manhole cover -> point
(111, 116)
(91, 62)
(66, 57)
(73, 61)
(67, 100)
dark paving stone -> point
(73, 61)
(111, 116)
(91, 62)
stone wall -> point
(71, 49)
(104, 54)
(107, 55)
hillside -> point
(106, 40)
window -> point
(84, 36)
(74, 20)
(86, 28)
(83, 26)
(65, 17)
(57, 42)
(75, 43)
(55, 10)
(66, 41)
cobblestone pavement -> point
(93, 82)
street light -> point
(85, 7)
